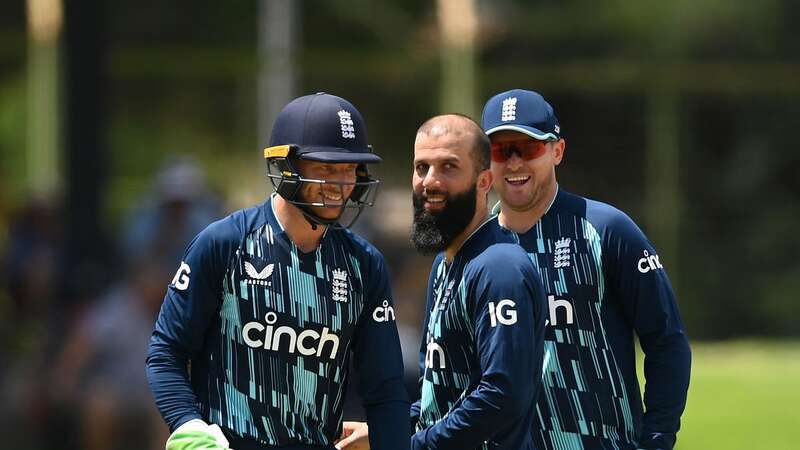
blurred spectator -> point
(99, 369)
(100, 374)
(30, 264)
(177, 209)
(32, 258)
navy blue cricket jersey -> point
(481, 361)
(269, 331)
(605, 282)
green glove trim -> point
(194, 440)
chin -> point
(518, 204)
(329, 213)
(515, 198)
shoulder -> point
(605, 218)
(611, 221)
(502, 253)
(229, 230)
(359, 247)
(501, 261)
(615, 230)
(495, 233)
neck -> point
(296, 225)
(522, 221)
(480, 216)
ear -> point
(558, 150)
(484, 182)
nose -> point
(514, 162)
(340, 182)
(343, 176)
(430, 179)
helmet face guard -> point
(287, 182)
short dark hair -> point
(480, 141)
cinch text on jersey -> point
(307, 342)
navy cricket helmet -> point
(324, 128)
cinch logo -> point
(348, 131)
(383, 313)
(500, 314)
(181, 278)
(257, 277)
(509, 111)
(554, 304)
(434, 349)
(307, 343)
(648, 263)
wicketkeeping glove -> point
(197, 435)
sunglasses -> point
(527, 149)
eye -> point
(349, 172)
(347, 169)
(421, 169)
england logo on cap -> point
(509, 109)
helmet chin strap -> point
(315, 220)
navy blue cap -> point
(524, 111)
(325, 128)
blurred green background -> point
(743, 396)
(116, 118)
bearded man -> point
(481, 358)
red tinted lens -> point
(527, 149)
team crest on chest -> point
(340, 286)
(446, 296)
(562, 256)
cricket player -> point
(481, 358)
(605, 285)
(270, 303)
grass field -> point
(743, 395)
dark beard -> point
(432, 233)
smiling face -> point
(333, 195)
(448, 187)
(442, 169)
(523, 184)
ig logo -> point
(181, 279)
(500, 314)
(383, 313)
